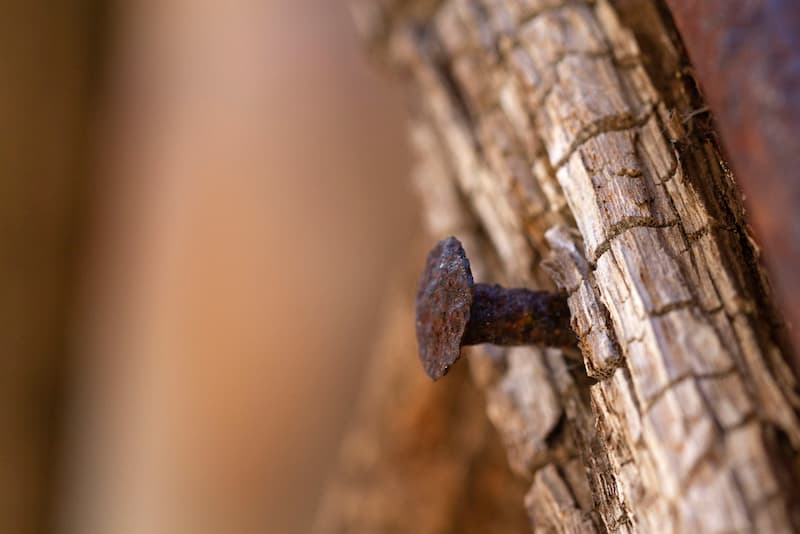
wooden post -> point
(564, 143)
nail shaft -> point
(518, 316)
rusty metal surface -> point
(453, 311)
(444, 300)
(518, 317)
(746, 57)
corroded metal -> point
(518, 317)
(444, 301)
(453, 311)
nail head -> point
(444, 300)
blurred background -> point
(201, 202)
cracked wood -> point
(545, 135)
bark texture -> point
(562, 142)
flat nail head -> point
(453, 311)
(444, 300)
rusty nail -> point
(453, 311)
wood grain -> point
(558, 160)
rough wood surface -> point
(560, 150)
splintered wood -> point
(545, 146)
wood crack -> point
(664, 184)
(607, 124)
(533, 14)
(620, 228)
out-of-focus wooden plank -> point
(251, 195)
(746, 56)
(46, 67)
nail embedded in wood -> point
(452, 311)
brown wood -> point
(561, 151)
(49, 66)
(746, 55)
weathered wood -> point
(555, 138)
